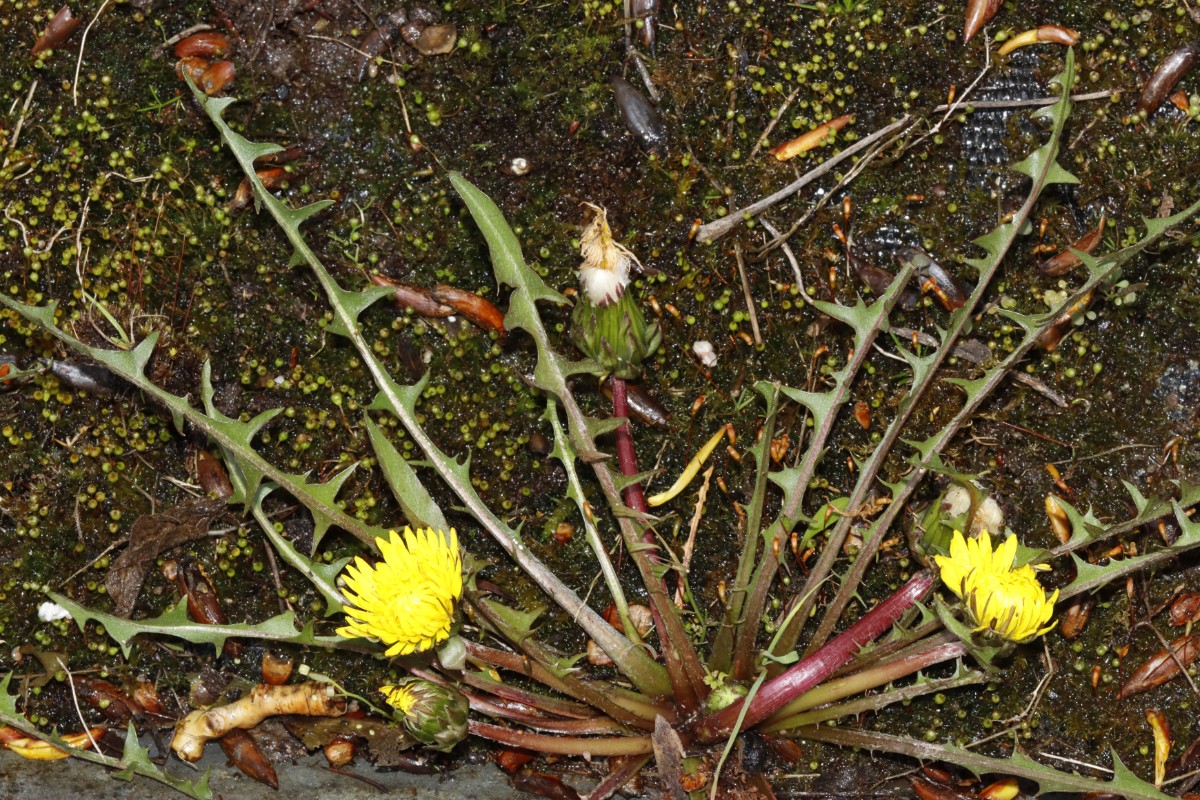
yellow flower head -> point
(400, 698)
(1000, 598)
(406, 600)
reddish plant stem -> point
(933, 651)
(530, 716)
(540, 722)
(564, 745)
(686, 690)
(635, 498)
(501, 659)
(540, 659)
(803, 676)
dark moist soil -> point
(116, 185)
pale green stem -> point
(791, 715)
(874, 702)
(589, 528)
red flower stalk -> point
(781, 690)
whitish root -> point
(197, 728)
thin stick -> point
(82, 44)
(1103, 453)
(75, 700)
(20, 123)
(791, 257)
(1169, 650)
(951, 107)
(717, 228)
(771, 126)
(741, 264)
(349, 46)
(688, 546)
(645, 73)
(627, 12)
(1033, 102)
(92, 563)
(1076, 762)
(186, 32)
(714, 230)
(284, 605)
(850, 175)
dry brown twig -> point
(719, 227)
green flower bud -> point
(615, 335)
(433, 714)
(723, 695)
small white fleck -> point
(52, 612)
(705, 352)
(519, 166)
(279, 379)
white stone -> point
(705, 352)
(52, 612)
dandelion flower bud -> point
(433, 714)
(608, 326)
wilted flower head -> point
(604, 272)
(607, 324)
(406, 600)
(1000, 598)
(435, 715)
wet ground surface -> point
(114, 184)
(308, 780)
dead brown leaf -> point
(386, 743)
(1162, 667)
(151, 536)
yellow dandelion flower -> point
(974, 556)
(1000, 598)
(406, 600)
(400, 698)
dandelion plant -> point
(473, 657)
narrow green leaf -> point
(507, 260)
(323, 576)
(416, 503)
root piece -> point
(309, 699)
